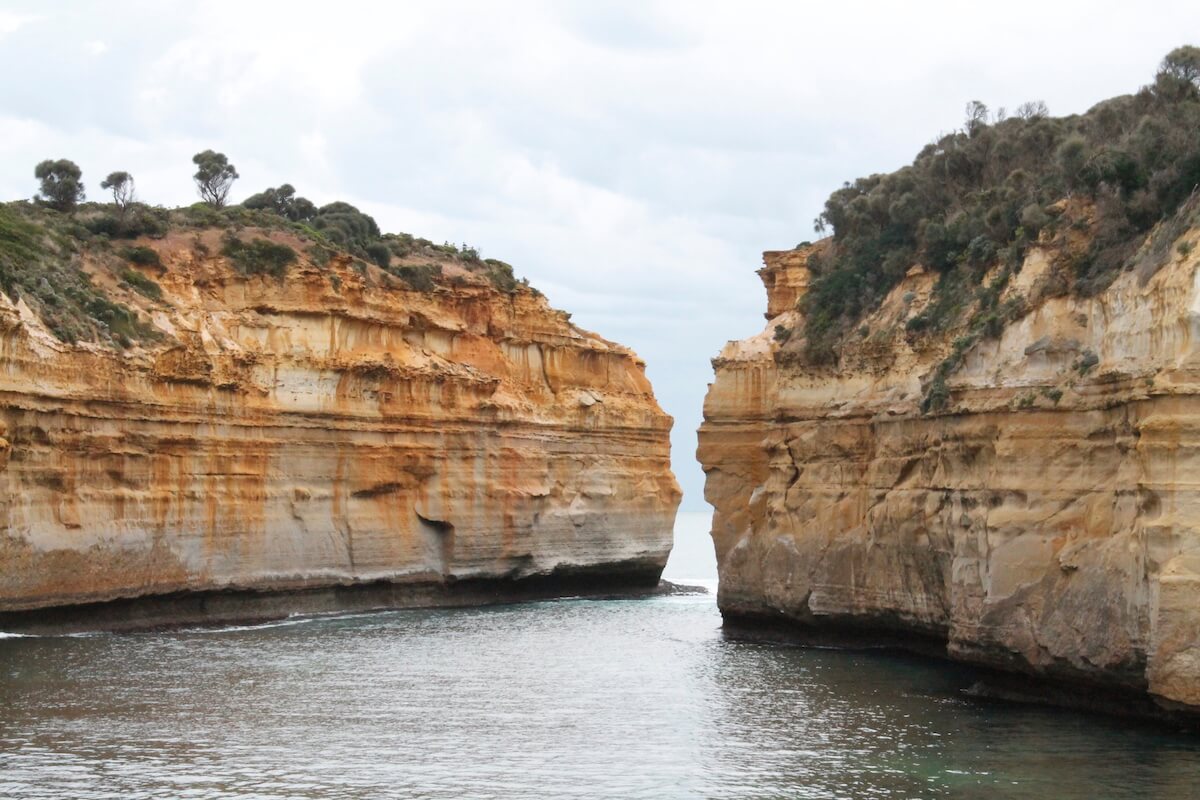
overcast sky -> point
(631, 159)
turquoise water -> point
(571, 698)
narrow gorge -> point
(243, 420)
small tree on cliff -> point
(214, 177)
(61, 183)
(121, 186)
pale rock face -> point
(295, 435)
(1045, 533)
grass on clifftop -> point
(41, 258)
(978, 197)
(39, 263)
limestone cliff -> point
(1043, 518)
(329, 427)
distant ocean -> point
(692, 557)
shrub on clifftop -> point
(982, 194)
(258, 256)
(344, 224)
(284, 202)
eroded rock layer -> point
(1045, 520)
(327, 429)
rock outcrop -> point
(328, 429)
(1044, 518)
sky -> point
(633, 160)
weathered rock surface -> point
(316, 432)
(1046, 520)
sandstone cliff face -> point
(1046, 520)
(318, 431)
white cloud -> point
(11, 23)
(632, 159)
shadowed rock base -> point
(241, 606)
(981, 680)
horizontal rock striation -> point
(329, 429)
(1045, 520)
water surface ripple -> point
(576, 698)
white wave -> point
(296, 618)
(257, 626)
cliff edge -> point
(972, 421)
(250, 408)
(1042, 521)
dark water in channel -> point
(573, 698)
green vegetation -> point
(380, 253)
(20, 243)
(61, 184)
(50, 248)
(122, 188)
(284, 202)
(214, 177)
(423, 278)
(258, 256)
(500, 274)
(39, 263)
(343, 224)
(137, 220)
(141, 284)
(937, 394)
(979, 196)
(142, 256)
(986, 322)
(1052, 393)
(341, 227)
(1086, 362)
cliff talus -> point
(1043, 516)
(328, 428)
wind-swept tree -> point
(122, 188)
(977, 117)
(61, 183)
(214, 177)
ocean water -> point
(564, 699)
